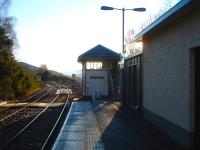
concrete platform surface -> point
(80, 130)
(127, 129)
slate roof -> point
(99, 52)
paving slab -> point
(73, 127)
(72, 136)
(80, 130)
(75, 121)
(70, 145)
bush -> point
(15, 82)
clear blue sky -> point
(56, 32)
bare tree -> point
(4, 4)
(131, 46)
(152, 17)
(43, 67)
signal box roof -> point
(99, 52)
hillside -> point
(30, 68)
(35, 70)
(50, 75)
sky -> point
(56, 32)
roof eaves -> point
(133, 55)
(97, 58)
(163, 17)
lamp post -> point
(123, 48)
(123, 10)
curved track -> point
(29, 99)
(35, 132)
(15, 112)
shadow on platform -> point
(127, 129)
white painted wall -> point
(97, 82)
(166, 71)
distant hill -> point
(50, 75)
(36, 70)
(29, 68)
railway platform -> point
(127, 129)
(105, 124)
(80, 130)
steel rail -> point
(24, 107)
(33, 95)
(55, 125)
(3, 110)
(29, 124)
(37, 93)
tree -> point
(152, 17)
(8, 39)
(131, 46)
(14, 81)
(43, 67)
(4, 7)
(44, 72)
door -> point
(133, 81)
(197, 94)
(97, 82)
(99, 86)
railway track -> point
(29, 99)
(32, 96)
(3, 109)
(9, 112)
(35, 132)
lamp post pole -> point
(123, 48)
(123, 11)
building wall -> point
(108, 65)
(133, 89)
(166, 70)
(97, 82)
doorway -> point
(197, 93)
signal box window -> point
(94, 65)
